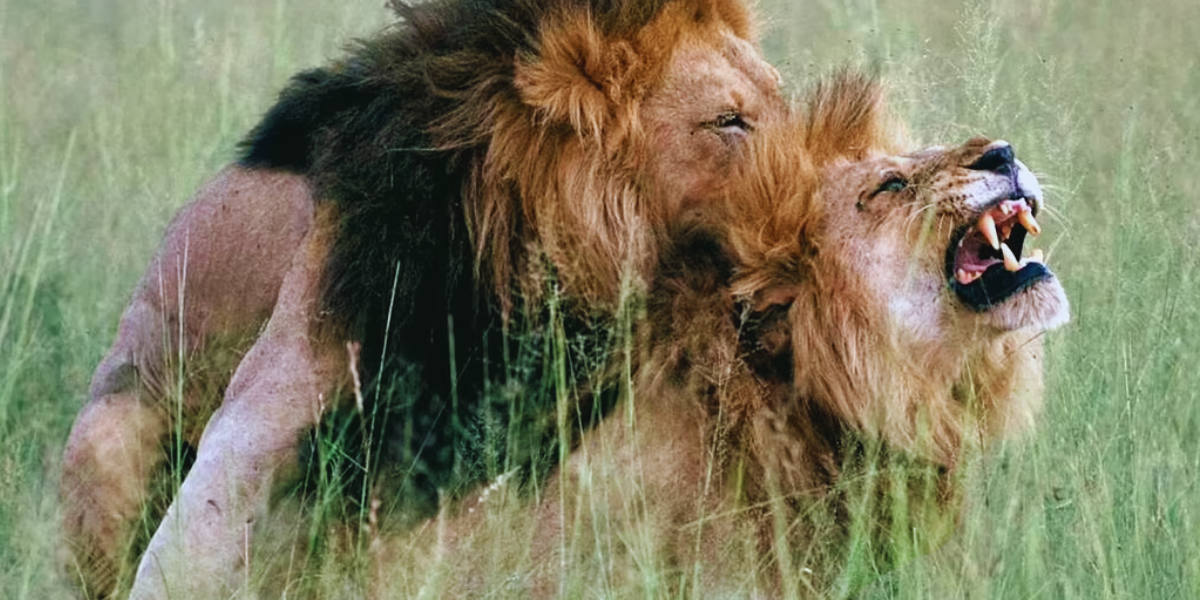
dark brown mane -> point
(362, 130)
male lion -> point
(821, 360)
(397, 215)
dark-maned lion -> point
(856, 304)
(415, 199)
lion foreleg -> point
(249, 448)
(200, 550)
(114, 452)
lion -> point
(395, 217)
(819, 358)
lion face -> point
(714, 94)
(944, 235)
(646, 124)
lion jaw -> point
(985, 268)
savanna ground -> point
(111, 113)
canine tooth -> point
(987, 226)
(1026, 218)
(1010, 260)
(1035, 255)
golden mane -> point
(776, 240)
(809, 368)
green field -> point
(112, 113)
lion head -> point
(913, 303)
(614, 131)
(560, 134)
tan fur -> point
(203, 299)
(607, 141)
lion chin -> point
(1041, 306)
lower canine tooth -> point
(1035, 255)
(965, 278)
(1010, 260)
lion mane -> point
(528, 170)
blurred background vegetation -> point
(113, 112)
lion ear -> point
(848, 117)
(774, 297)
(575, 77)
(765, 332)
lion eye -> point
(733, 120)
(893, 184)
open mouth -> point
(984, 262)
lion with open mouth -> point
(822, 354)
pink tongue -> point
(985, 244)
(969, 258)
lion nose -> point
(997, 158)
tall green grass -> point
(112, 113)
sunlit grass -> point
(112, 113)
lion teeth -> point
(966, 278)
(1036, 256)
(987, 226)
(1026, 218)
(1010, 260)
